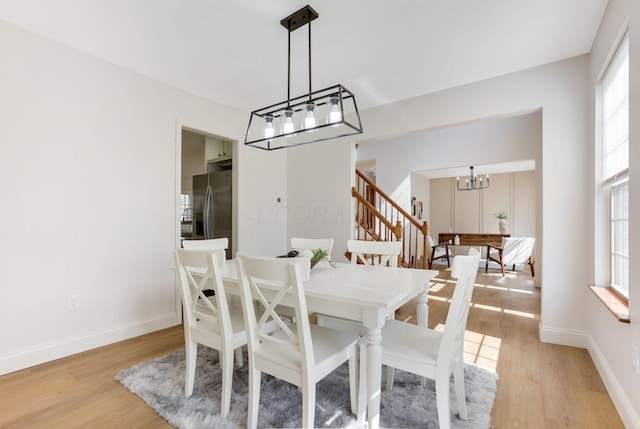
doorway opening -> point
(206, 188)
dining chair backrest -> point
(210, 244)
(374, 252)
(312, 244)
(199, 270)
(465, 269)
(288, 352)
(209, 320)
(267, 281)
(517, 250)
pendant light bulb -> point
(309, 117)
(335, 115)
(268, 128)
(287, 126)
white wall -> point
(491, 141)
(319, 193)
(192, 160)
(561, 93)
(89, 182)
(609, 340)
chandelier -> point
(473, 182)
(316, 116)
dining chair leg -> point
(254, 397)
(226, 365)
(308, 404)
(442, 400)
(191, 351)
(391, 372)
(458, 379)
(353, 383)
(362, 381)
(239, 357)
(533, 274)
(486, 261)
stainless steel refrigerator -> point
(212, 206)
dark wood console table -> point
(472, 239)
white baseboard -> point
(48, 352)
(621, 401)
(563, 337)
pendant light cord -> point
(309, 60)
(289, 65)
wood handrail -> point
(380, 218)
(423, 228)
(371, 208)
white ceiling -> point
(235, 52)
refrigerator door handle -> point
(207, 201)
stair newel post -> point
(425, 232)
(397, 231)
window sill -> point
(618, 307)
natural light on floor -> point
(479, 348)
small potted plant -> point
(321, 255)
(502, 217)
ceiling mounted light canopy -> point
(319, 115)
(473, 183)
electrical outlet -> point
(635, 359)
(73, 302)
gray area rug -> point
(160, 383)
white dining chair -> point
(209, 244)
(432, 354)
(312, 244)
(374, 252)
(209, 321)
(301, 353)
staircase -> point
(379, 218)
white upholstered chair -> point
(513, 251)
(432, 354)
(301, 353)
(374, 252)
(438, 251)
(209, 321)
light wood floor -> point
(540, 385)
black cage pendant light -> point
(319, 115)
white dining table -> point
(369, 294)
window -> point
(615, 161)
(185, 206)
(620, 237)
